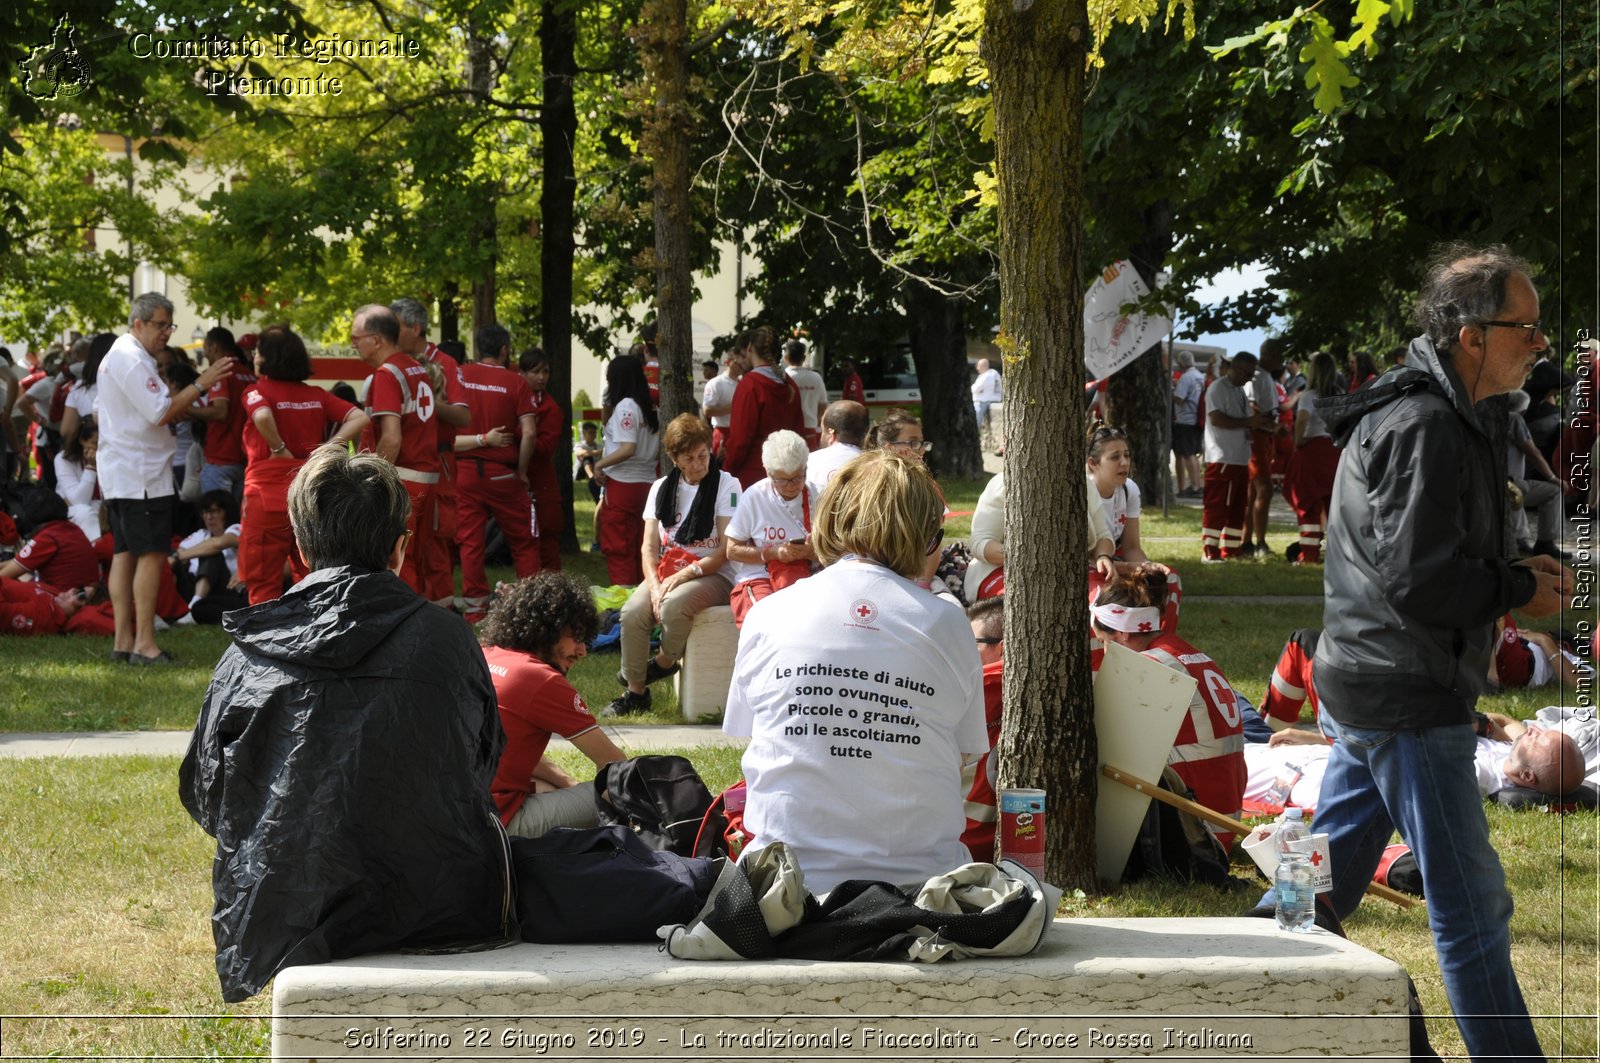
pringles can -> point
(1022, 828)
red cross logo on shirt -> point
(863, 611)
(424, 403)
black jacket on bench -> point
(342, 761)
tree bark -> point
(663, 37)
(1139, 398)
(1036, 66)
(484, 229)
(450, 315)
(558, 132)
(937, 327)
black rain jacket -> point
(342, 761)
(1414, 575)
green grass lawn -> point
(105, 905)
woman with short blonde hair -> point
(859, 685)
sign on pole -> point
(1111, 338)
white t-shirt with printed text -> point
(728, 492)
(1123, 503)
(859, 692)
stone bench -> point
(1098, 988)
(702, 681)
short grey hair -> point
(784, 451)
(1185, 359)
(146, 305)
(380, 319)
(1465, 286)
(410, 312)
(347, 509)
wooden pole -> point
(1194, 808)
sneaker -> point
(1247, 550)
(628, 704)
(185, 620)
(1211, 555)
(653, 671)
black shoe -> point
(161, 659)
(1247, 550)
(628, 704)
(653, 671)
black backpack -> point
(1175, 845)
(660, 798)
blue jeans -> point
(1423, 783)
(229, 478)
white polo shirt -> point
(135, 454)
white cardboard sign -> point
(1138, 707)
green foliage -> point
(64, 267)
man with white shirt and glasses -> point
(135, 470)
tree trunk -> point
(450, 315)
(1139, 398)
(1036, 66)
(483, 228)
(663, 36)
(558, 132)
(937, 326)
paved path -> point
(631, 738)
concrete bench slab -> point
(702, 682)
(1098, 989)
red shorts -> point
(1262, 450)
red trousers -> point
(552, 522)
(436, 535)
(421, 496)
(266, 543)
(1223, 505)
(1308, 487)
(487, 487)
(622, 531)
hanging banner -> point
(1111, 338)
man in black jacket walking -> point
(1414, 582)
(343, 756)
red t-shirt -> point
(418, 428)
(305, 416)
(497, 397)
(853, 390)
(536, 701)
(549, 420)
(60, 556)
(981, 806)
(225, 438)
(455, 390)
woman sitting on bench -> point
(860, 692)
(685, 568)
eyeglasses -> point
(1530, 329)
(162, 326)
(933, 544)
(357, 337)
(984, 641)
(800, 478)
(914, 446)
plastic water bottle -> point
(1291, 828)
(1296, 909)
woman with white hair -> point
(769, 538)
